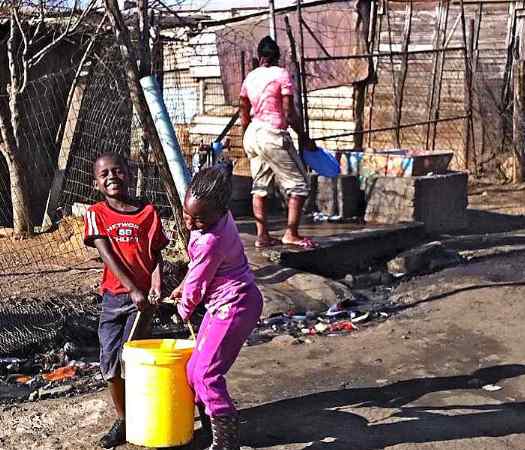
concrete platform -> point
(344, 248)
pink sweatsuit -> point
(219, 275)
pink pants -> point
(219, 342)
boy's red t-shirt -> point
(136, 238)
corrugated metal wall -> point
(331, 111)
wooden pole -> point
(374, 23)
(156, 48)
(507, 96)
(395, 134)
(517, 120)
(65, 139)
(303, 71)
(439, 78)
(402, 74)
(141, 107)
(298, 96)
(518, 129)
(468, 42)
(143, 38)
(139, 151)
(243, 65)
(435, 60)
(478, 100)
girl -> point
(219, 276)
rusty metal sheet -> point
(341, 29)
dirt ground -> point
(419, 381)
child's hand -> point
(177, 293)
(154, 296)
(139, 299)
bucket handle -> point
(186, 322)
(131, 336)
(139, 315)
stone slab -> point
(438, 201)
(339, 196)
(350, 252)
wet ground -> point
(444, 372)
(412, 382)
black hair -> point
(214, 186)
(268, 49)
(112, 155)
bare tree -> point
(35, 29)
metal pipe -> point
(168, 139)
(385, 54)
(271, 17)
(376, 130)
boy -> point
(129, 238)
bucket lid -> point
(157, 351)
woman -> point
(267, 110)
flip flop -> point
(305, 243)
(266, 244)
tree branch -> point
(24, 51)
(39, 25)
(11, 56)
(38, 56)
(79, 69)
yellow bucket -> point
(159, 402)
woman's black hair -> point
(214, 185)
(268, 49)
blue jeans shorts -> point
(116, 320)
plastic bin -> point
(159, 402)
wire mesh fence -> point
(64, 128)
(415, 99)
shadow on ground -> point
(325, 421)
(493, 222)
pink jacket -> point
(218, 268)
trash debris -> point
(361, 318)
(44, 393)
(491, 387)
(340, 310)
(340, 318)
(11, 365)
(23, 379)
(319, 217)
(343, 326)
(321, 327)
(62, 373)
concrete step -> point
(351, 251)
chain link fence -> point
(47, 280)
(415, 99)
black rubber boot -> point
(203, 437)
(225, 431)
(115, 436)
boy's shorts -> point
(116, 320)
